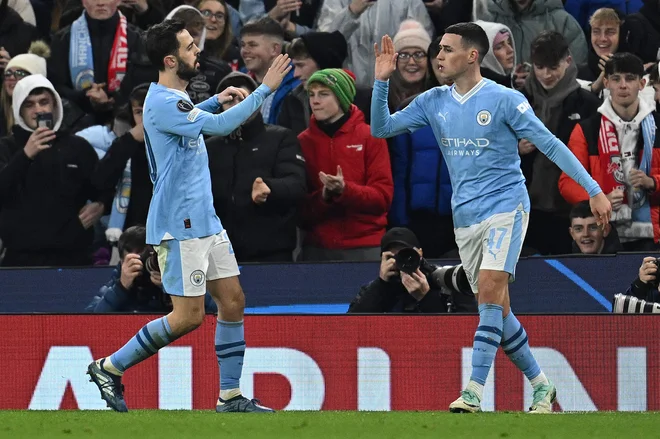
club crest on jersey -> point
(484, 118)
(197, 278)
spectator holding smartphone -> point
(45, 185)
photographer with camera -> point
(409, 283)
(643, 295)
(135, 285)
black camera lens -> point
(407, 260)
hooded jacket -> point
(490, 66)
(540, 15)
(257, 150)
(357, 218)
(40, 198)
(383, 17)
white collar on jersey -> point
(463, 99)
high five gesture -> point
(385, 59)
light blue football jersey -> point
(182, 203)
(478, 134)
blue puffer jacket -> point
(582, 10)
(421, 178)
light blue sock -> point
(230, 349)
(486, 341)
(516, 347)
(153, 336)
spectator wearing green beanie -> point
(349, 175)
(340, 82)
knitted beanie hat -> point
(340, 82)
(411, 34)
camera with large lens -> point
(623, 304)
(450, 277)
(149, 260)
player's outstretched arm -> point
(384, 125)
(525, 123)
(224, 123)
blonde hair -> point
(605, 16)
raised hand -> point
(277, 71)
(283, 8)
(385, 58)
(38, 141)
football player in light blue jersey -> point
(478, 124)
(194, 252)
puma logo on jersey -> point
(443, 115)
(355, 147)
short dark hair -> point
(139, 93)
(473, 36)
(548, 49)
(263, 26)
(624, 63)
(41, 90)
(161, 41)
(581, 210)
(133, 240)
(298, 49)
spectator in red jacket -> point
(349, 176)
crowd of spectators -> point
(303, 179)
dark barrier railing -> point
(567, 284)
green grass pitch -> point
(148, 424)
